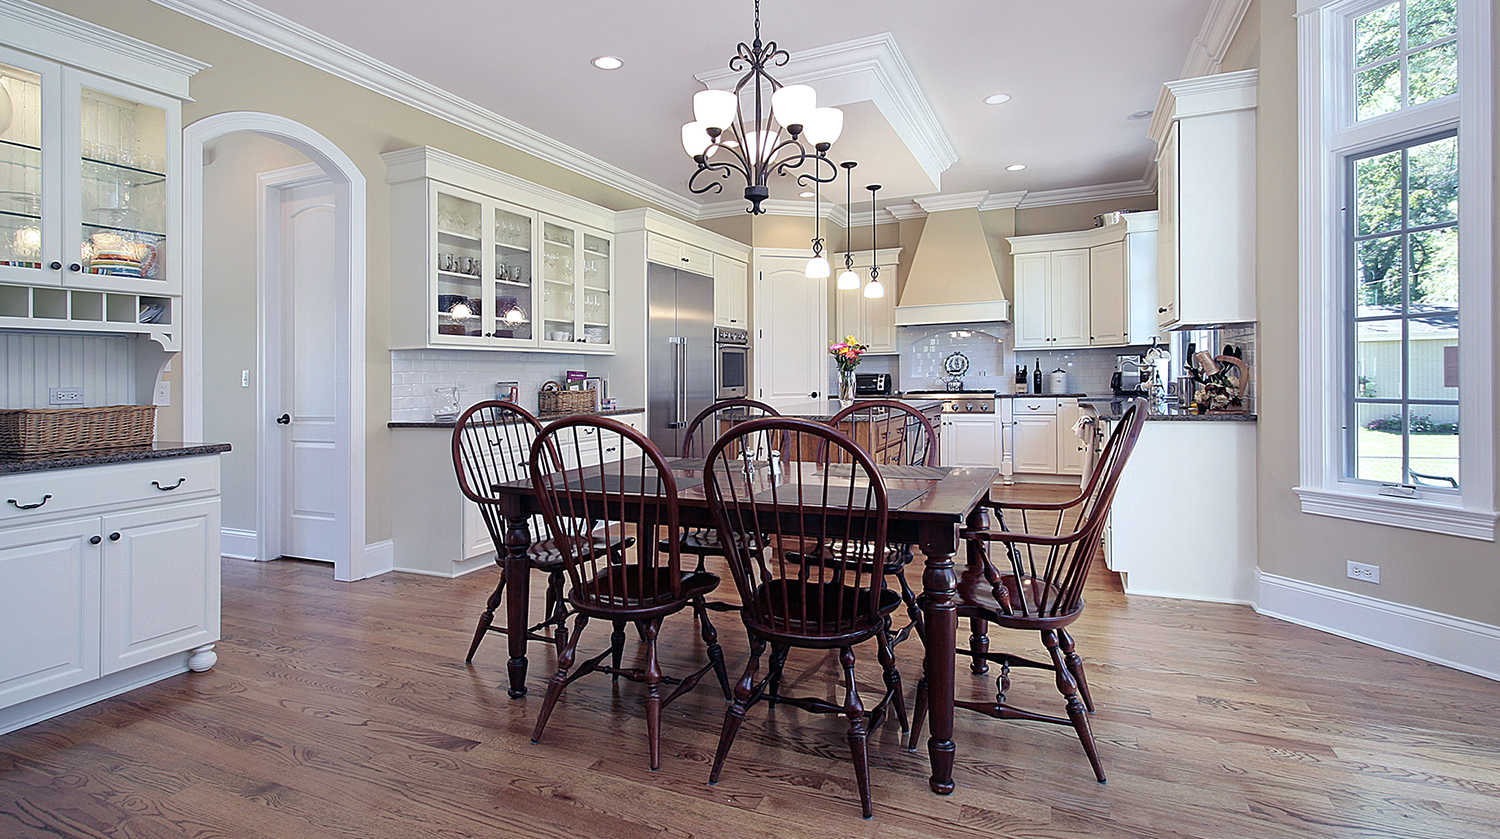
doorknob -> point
(284, 419)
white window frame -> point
(1328, 135)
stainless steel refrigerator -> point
(680, 352)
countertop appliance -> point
(680, 352)
(731, 362)
(1131, 376)
(872, 384)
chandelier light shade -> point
(792, 134)
(848, 280)
(873, 288)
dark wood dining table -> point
(950, 497)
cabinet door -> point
(49, 609)
(731, 298)
(559, 282)
(513, 317)
(597, 284)
(160, 583)
(1031, 324)
(971, 441)
(1167, 229)
(31, 177)
(879, 322)
(1109, 309)
(458, 265)
(1035, 439)
(1072, 452)
(1068, 298)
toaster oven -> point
(872, 384)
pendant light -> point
(817, 267)
(873, 288)
(848, 280)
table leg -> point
(517, 596)
(938, 584)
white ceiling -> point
(1076, 70)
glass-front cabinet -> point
(494, 274)
(89, 215)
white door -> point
(791, 327)
(311, 362)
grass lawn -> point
(1380, 455)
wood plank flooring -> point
(345, 710)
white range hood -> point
(952, 278)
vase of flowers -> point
(846, 355)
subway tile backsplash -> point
(415, 374)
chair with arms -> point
(1037, 584)
(768, 513)
(609, 522)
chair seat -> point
(975, 598)
(648, 593)
(546, 555)
(852, 606)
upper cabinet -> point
(870, 319)
(1087, 288)
(731, 292)
(1205, 134)
(90, 204)
(483, 260)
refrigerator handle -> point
(679, 381)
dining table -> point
(936, 502)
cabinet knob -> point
(55, 265)
(75, 267)
(94, 540)
(114, 537)
(284, 419)
(814, 394)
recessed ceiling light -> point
(997, 99)
(609, 62)
(807, 194)
(1015, 167)
(1140, 115)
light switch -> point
(244, 378)
(164, 394)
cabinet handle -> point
(75, 267)
(55, 265)
(19, 506)
(284, 419)
(685, 259)
(1161, 310)
(114, 537)
(170, 488)
(94, 540)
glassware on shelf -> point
(445, 404)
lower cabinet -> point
(970, 440)
(93, 592)
(1035, 437)
(1043, 440)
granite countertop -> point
(543, 417)
(822, 410)
(1111, 408)
(39, 463)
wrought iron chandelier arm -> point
(815, 176)
(724, 167)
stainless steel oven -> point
(731, 363)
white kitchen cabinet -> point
(1042, 438)
(482, 260)
(90, 205)
(109, 576)
(1072, 452)
(970, 440)
(1035, 437)
(1205, 134)
(1052, 299)
(676, 254)
(870, 319)
(731, 292)
(1123, 284)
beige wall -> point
(1446, 574)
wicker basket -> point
(554, 400)
(26, 432)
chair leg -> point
(1075, 667)
(559, 679)
(886, 653)
(617, 648)
(918, 713)
(560, 611)
(715, 652)
(1076, 712)
(773, 684)
(653, 693)
(979, 644)
(854, 709)
(487, 618)
(735, 713)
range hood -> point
(952, 278)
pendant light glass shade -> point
(848, 280)
(715, 108)
(874, 289)
(695, 139)
(818, 268)
(824, 127)
(794, 104)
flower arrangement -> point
(847, 352)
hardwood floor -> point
(345, 710)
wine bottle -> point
(1036, 377)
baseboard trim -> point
(45, 707)
(380, 558)
(1460, 643)
(239, 544)
(460, 567)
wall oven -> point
(731, 363)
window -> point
(1396, 211)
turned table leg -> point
(938, 584)
(517, 596)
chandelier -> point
(763, 143)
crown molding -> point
(1206, 55)
(909, 210)
(881, 216)
(956, 201)
(274, 32)
(867, 69)
(1079, 194)
(800, 208)
(1003, 200)
(88, 46)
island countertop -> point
(99, 457)
(449, 423)
(822, 410)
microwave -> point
(872, 384)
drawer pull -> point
(114, 537)
(19, 506)
(95, 539)
(170, 488)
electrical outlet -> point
(64, 396)
(1361, 571)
